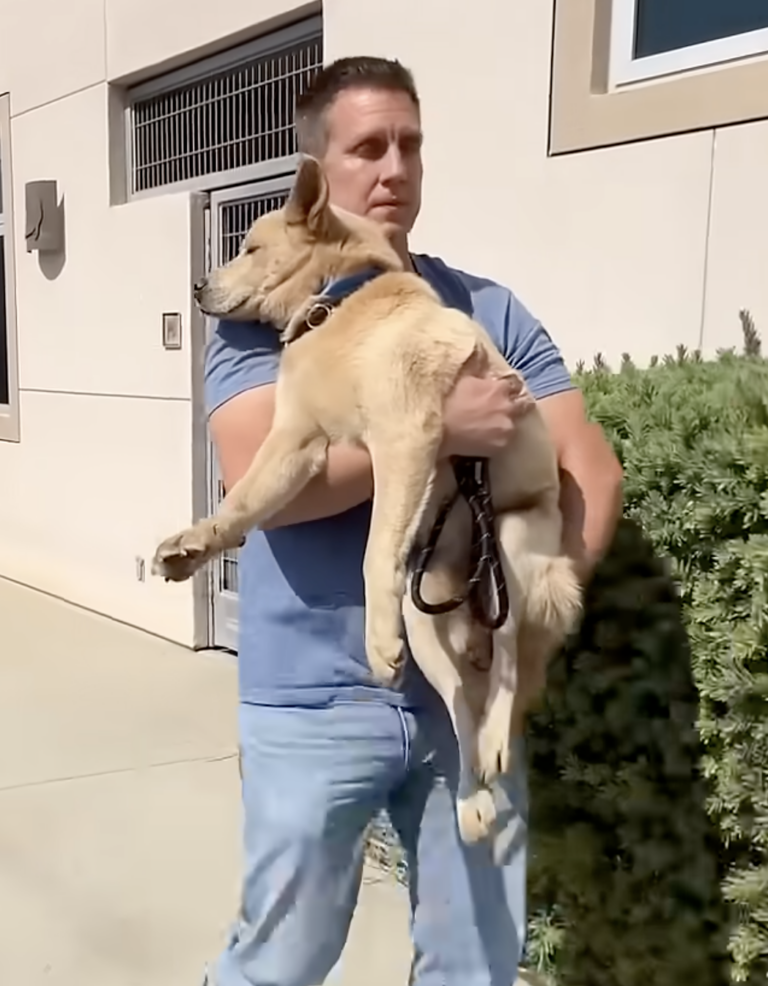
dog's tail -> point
(554, 600)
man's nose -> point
(395, 163)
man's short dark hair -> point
(364, 72)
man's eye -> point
(372, 149)
(411, 145)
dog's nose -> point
(200, 285)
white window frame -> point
(9, 413)
(626, 70)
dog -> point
(375, 371)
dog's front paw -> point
(180, 556)
(494, 745)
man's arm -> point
(241, 368)
(591, 475)
(479, 418)
(591, 478)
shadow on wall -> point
(52, 263)
(44, 226)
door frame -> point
(223, 605)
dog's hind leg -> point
(290, 456)
(494, 740)
(403, 474)
(440, 653)
(494, 737)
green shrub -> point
(649, 762)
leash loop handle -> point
(486, 588)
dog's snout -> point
(200, 285)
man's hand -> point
(480, 414)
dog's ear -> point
(308, 201)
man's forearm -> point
(590, 495)
(591, 501)
(475, 410)
(346, 482)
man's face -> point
(373, 157)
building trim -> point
(9, 413)
(587, 113)
(266, 44)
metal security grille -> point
(228, 119)
(5, 379)
(228, 581)
(234, 220)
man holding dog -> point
(323, 747)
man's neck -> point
(400, 244)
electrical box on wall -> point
(44, 220)
(172, 330)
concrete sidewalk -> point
(119, 810)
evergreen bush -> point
(649, 759)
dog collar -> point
(336, 291)
(333, 293)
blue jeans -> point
(312, 779)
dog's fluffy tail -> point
(555, 598)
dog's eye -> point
(251, 249)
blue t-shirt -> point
(301, 598)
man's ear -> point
(308, 202)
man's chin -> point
(396, 221)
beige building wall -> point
(635, 248)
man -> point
(323, 747)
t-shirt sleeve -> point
(529, 349)
(239, 356)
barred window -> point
(234, 114)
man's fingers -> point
(514, 384)
(522, 404)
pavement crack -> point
(134, 768)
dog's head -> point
(289, 254)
